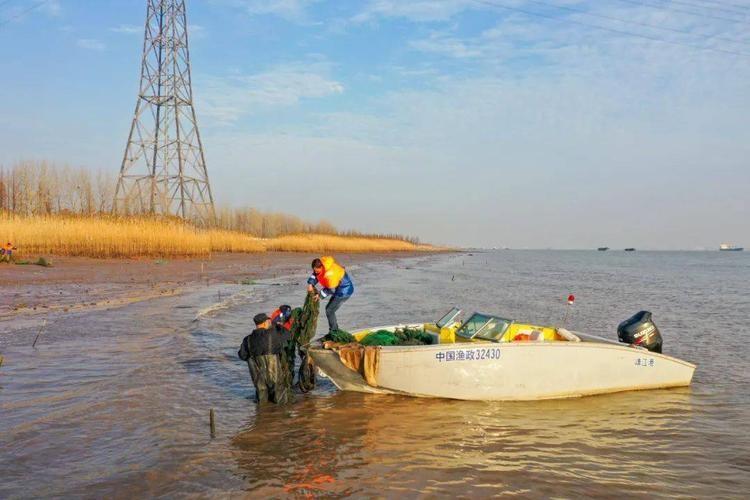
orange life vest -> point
(332, 273)
(287, 324)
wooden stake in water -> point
(41, 330)
(212, 422)
(1, 361)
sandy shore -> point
(76, 283)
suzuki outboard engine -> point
(641, 331)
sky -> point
(492, 123)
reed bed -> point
(104, 237)
(324, 243)
(107, 237)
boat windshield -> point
(494, 329)
(449, 318)
(483, 326)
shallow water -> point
(115, 403)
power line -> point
(5, 2)
(639, 23)
(683, 11)
(611, 30)
(23, 12)
(724, 7)
(737, 6)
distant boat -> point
(603, 249)
(630, 249)
(726, 247)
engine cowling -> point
(641, 331)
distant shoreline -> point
(615, 250)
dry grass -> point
(330, 243)
(117, 237)
(103, 237)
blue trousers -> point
(331, 308)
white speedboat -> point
(491, 358)
(727, 247)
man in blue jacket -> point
(335, 282)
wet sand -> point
(81, 283)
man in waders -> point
(262, 351)
(335, 283)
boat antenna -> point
(571, 300)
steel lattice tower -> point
(164, 169)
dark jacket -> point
(264, 341)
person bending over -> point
(283, 316)
(262, 351)
(335, 283)
(282, 319)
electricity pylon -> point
(164, 169)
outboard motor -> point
(641, 331)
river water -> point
(115, 403)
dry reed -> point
(103, 237)
(324, 243)
(118, 237)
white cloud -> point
(226, 99)
(91, 44)
(291, 10)
(197, 31)
(52, 8)
(560, 135)
(414, 10)
(128, 29)
(447, 45)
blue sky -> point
(494, 123)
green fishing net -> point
(401, 336)
(339, 336)
(304, 324)
(305, 320)
(380, 337)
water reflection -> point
(459, 447)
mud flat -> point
(81, 283)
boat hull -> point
(511, 371)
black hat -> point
(261, 318)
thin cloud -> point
(290, 10)
(91, 44)
(413, 10)
(52, 8)
(196, 31)
(446, 45)
(226, 99)
(127, 29)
